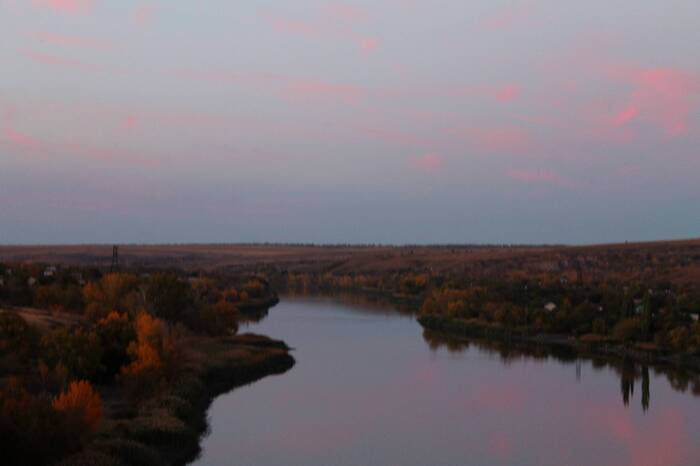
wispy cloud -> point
(431, 162)
(65, 6)
(663, 96)
(63, 40)
(369, 44)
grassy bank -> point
(167, 428)
(587, 345)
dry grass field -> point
(677, 261)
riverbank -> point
(586, 346)
(167, 429)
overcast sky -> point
(392, 121)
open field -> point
(676, 261)
(45, 321)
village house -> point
(550, 307)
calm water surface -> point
(370, 388)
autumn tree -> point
(82, 406)
(156, 355)
(114, 292)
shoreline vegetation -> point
(648, 320)
(120, 368)
(167, 430)
(587, 346)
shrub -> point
(160, 428)
(90, 458)
(78, 350)
(168, 297)
(130, 452)
(31, 431)
(627, 330)
(17, 340)
(115, 332)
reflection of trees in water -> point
(253, 315)
(365, 303)
(629, 371)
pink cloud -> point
(130, 122)
(344, 12)
(144, 15)
(500, 446)
(73, 41)
(315, 89)
(509, 16)
(507, 93)
(504, 94)
(369, 44)
(665, 97)
(428, 163)
(626, 115)
(55, 60)
(66, 6)
(18, 139)
(334, 19)
(293, 26)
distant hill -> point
(676, 261)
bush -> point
(91, 458)
(31, 431)
(188, 387)
(160, 428)
(78, 350)
(17, 341)
(627, 330)
(178, 407)
(130, 452)
(116, 332)
(168, 297)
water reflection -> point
(370, 387)
(630, 372)
(364, 303)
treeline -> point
(660, 316)
(126, 332)
(656, 314)
(396, 284)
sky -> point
(372, 121)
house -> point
(550, 307)
(695, 316)
(31, 281)
(50, 271)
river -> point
(370, 387)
